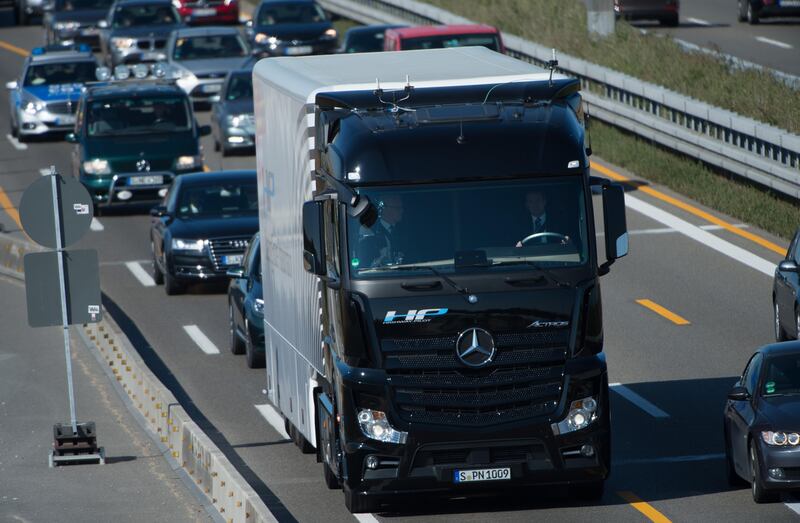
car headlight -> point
(66, 26)
(123, 43)
(374, 425)
(97, 166)
(179, 244)
(330, 33)
(582, 413)
(176, 4)
(34, 107)
(780, 439)
(262, 38)
(188, 162)
(237, 120)
(258, 306)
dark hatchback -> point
(753, 11)
(75, 22)
(291, 28)
(667, 12)
(246, 307)
(365, 38)
(232, 120)
(762, 423)
(786, 293)
(203, 228)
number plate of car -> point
(153, 179)
(467, 476)
(204, 12)
(789, 3)
(211, 88)
(65, 120)
(91, 31)
(303, 49)
(232, 259)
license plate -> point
(303, 49)
(65, 120)
(466, 476)
(153, 179)
(204, 12)
(211, 88)
(92, 31)
(232, 259)
(789, 3)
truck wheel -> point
(254, 360)
(760, 494)
(172, 287)
(591, 491)
(234, 342)
(300, 441)
(780, 334)
(358, 503)
(158, 276)
(752, 14)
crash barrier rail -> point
(182, 441)
(753, 150)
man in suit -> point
(540, 221)
(382, 244)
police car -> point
(45, 96)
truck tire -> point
(234, 341)
(590, 491)
(300, 440)
(359, 503)
(760, 494)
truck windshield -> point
(438, 42)
(138, 116)
(495, 226)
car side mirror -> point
(788, 266)
(11, 85)
(235, 272)
(158, 211)
(71, 138)
(738, 393)
(102, 24)
(204, 130)
(313, 243)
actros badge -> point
(413, 315)
(539, 324)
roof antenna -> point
(586, 121)
(395, 107)
(552, 64)
(461, 140)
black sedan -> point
(203, 227)
(291, 28)
(246, 307)
(365, 38)
(762, 423)
(786, 293)
(232, 120)
(75, 22)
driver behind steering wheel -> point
(541, 227)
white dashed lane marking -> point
(15, 143)
(776, 43)
(202, 341)
(637, 400)
(140, 274)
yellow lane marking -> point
(14, 49)
(658, 309)
(645, 508)
(7, 206)
(694, 210)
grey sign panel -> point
(36, 211)
(81, 275)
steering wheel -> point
(562, 238)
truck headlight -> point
(179, 244)
(780, 439)
(374, 425)
(123, 43)
(258, 306)
(34, 107)
(582, 413)
(97, 167)
(188, 162)
(66, 26)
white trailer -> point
(285, 91)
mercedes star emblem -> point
(475, 347)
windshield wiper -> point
(461, 290)
(547, 272)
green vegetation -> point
(691, 178)
(562, 24)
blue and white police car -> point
(45, 96)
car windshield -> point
(437, 42)
(364, 41)
(135, 15)
(240, 87)
(60, 73)
(471, 227)
(782, 375)
(75, 5)
(138, 116)
(210, 46)
(217, 200)
(290, 13)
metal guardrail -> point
(754, 150)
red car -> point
(196, 12)
(439, 36)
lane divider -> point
(642, 506)
(96, 225)
(200, 339)
(16, 144)
(663, 311)
(693, 210)
(637, 400)
(14, 49)
(140, 274)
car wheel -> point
(780, 334)
(216, 146)
(752, 15)
(158, 276)
(742, 16)
(14, 128)
(225, 151)
(760, 494)
(797, 324)
(255, 360)
(734, 480)
(234, 341)
(171, 286)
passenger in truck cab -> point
(382, 244)
(541, 226)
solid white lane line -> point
(776, 43)
(668, 230)
(44, 172)
(639, 401)
(696, 233)
(671, 459)
(273, 418)
(16, 143)
(365, 518)
(201, 339)
(698, 21)
(96, 225)
(140, 274)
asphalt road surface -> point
(673, 374)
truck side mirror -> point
(313, 243)
(615, 225)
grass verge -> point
(693, 179)
(562, 24)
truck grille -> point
(430, 385)
(478, 455)
(231, 246)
